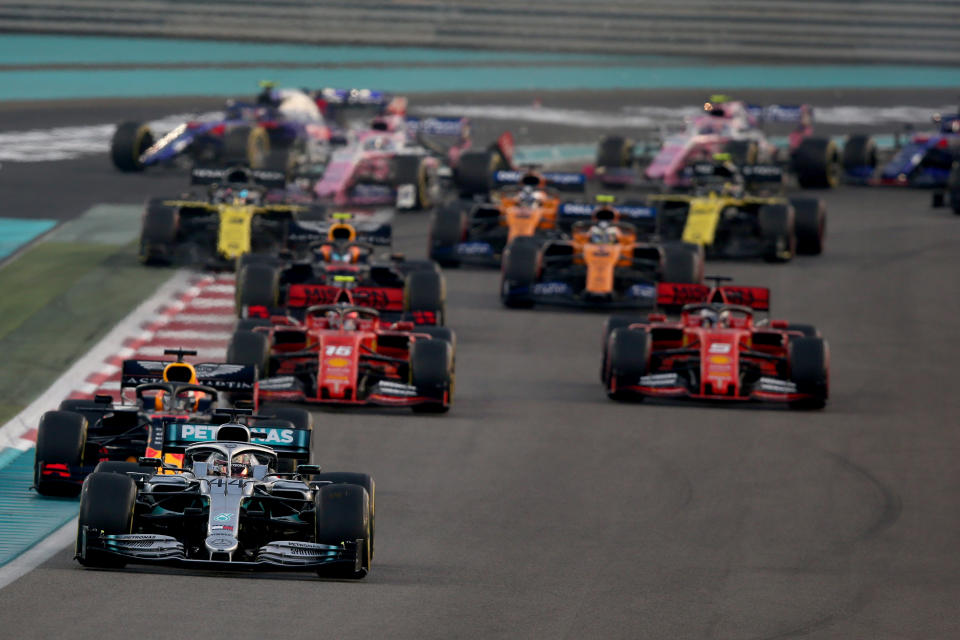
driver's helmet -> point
(246, 196)
(527, 197)
(603, 234)
(708, 318)
(350, 320)
(241, 466)
(334, 320)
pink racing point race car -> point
(400, 161)
(717, 350)
(342, 354)
(731, 127)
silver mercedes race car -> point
(228, 507)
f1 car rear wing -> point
(286, 441)
(629, 212)
(751, 173)
(216, 375)
(673, 294)
(561, 181)
(438, 127)
(239, 176)
(369, 230)
(800, 113)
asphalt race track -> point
(538, 508)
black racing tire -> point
(343, 515)
(122, 466)
(810, 225)
(683, 263)
(474, 173)
(610, 325)
(130, 140)
(816, 163)
(158, 232)
(258, 258)
(413, 170)
(810, 371)
(250, 348)
(258, 285)
(953, 188)
(440, 333)
(808, 330)
(859, 151)
(424, 297)
(431, 372)
(614, 152)
(742, 152)
(107, 501)
(249, 324)
(628, 356)
(61, 439)
(360, 479)
(520, 269)
(299, 418)
(247, 146)
(778, 232)
(447, 230)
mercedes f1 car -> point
(343, 354)
(228, 507)
(83, 433)
(717, 350)
(241, 212)
(527, 204)
(732, 213)
(603, 263)
(733, 127)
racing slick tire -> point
(431, 372)
(363, 480)
(628, 356)
(413, 170)
(343, 514)
(129, 142)
(158, 232)
(683, 263)
(777, 232)
(742, 152)
(440, 333)
(953, 188)
(816, 163)
(521, 264)
(859, 155)
(61, 439)
(614, 152)
(808, 330)
(258, 285)
(810, 371)
(474, 173)
(810, 225)
(424, 297)
(107, 501)
(258, 258)
(250, 348)
(610, 325)
(247, 146)
(446, 232)
(249, 324)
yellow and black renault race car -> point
(740, 212)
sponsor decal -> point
(644, 291)
(337, 362)
(387, 387)
(406, 196)
(775, 385)
(223, 517)
(222, 527)
(474, 249)
(659, 380)
(272, 435)
(220, 541)
(719, 347)
(278, 383)
(341, 350)
(551, 289)
(720, 360)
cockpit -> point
(236, 462)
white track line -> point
(38, 553)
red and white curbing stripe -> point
(195, 312)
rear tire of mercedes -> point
(683, 263)
(614, 152)
(521, 263)
(474, 172)
(610, 325)
(742, 152)
(343, 515)
(247, 146)
(446, 232)
(250, 348)
(777, 231)
(628, 352)
(413, 170)
(61, 439)
(431, 372)
(158, 233)
(107, 501)
(360, 479)
(424, 297)
(809, 370)
(816, 162)
(258, 285)
(859, 153)
(129, 142)
(810, 225)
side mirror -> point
(151, 462)
(308, 469)
(779, 324)
(244, 404)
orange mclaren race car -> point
(602, 264)
(717, 350)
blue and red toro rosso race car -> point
(717, 350)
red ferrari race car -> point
(717, 350)
(343, 354)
